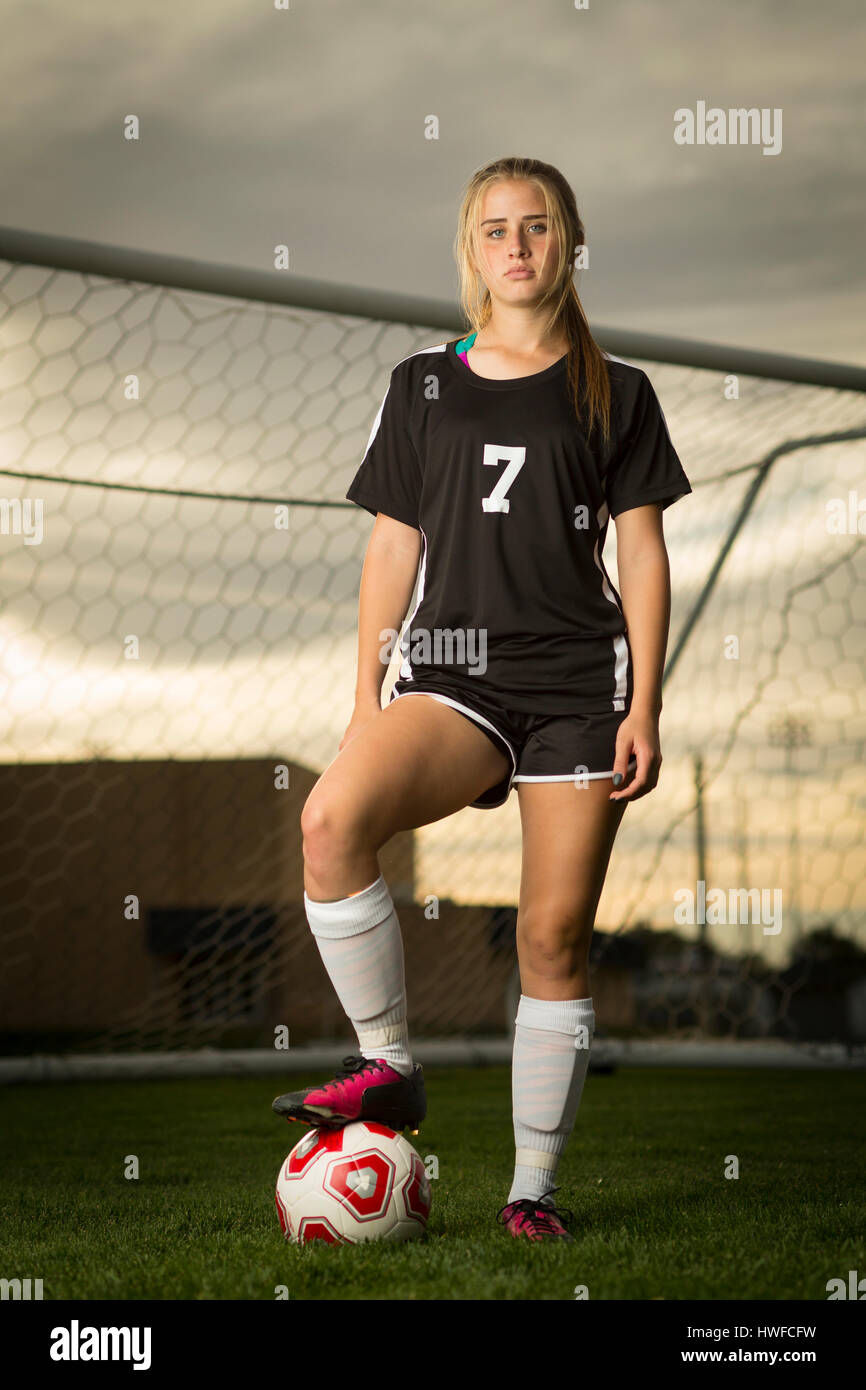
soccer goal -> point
(177, 657)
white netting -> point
(149, 775)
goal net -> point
(177, 659)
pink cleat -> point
(537, 1219)
(363, 1089)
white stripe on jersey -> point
(405, 672)
(610, 357)
(620, 647)
(405, 666)
(378, 420)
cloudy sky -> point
(306, 125)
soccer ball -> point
(361, 1182)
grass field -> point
(643, 1174)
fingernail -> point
(617, 778)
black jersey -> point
(513, 499)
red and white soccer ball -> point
(361, 1182)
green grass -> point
(643, 1174)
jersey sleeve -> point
(645, 466)
(389, 477)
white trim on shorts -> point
(569, 776)
(515, 775)
(464, 709)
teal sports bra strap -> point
(465, 343)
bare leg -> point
(416, 762)
(568, 835)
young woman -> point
(495, 463)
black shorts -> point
(540, 747)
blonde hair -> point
(586, 362)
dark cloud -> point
(306, 127)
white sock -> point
(552, 1039)
(361, 946)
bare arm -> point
(644, 582)
(387, 580)
(645, 585)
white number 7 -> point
(494, 454)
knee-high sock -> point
(552, 1039)
(361, 946)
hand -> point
(638, 734)
(364, 711)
